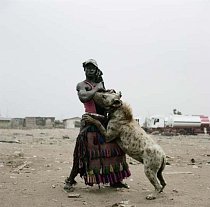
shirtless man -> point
(89, 141)
(85, 91)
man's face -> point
(90, 70)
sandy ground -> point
(33, 170)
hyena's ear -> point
(110, 91)
(120, 94)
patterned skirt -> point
(100, 162)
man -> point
(91, 154)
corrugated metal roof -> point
(4, 119)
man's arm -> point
(86, 95)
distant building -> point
(59, 124)
(17, 123)
(74, 122)
(39, 122)
(5, 123)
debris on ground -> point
(73, 195)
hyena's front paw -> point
(88, 119)
(151, 197)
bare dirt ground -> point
(35, 163)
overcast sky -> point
(156, 52)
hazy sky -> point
(156, 52)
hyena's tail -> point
(159, 173)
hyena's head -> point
(108, 100)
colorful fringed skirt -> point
(100, 162)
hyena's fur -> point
(131, 138)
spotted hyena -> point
(131, 138)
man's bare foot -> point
(119, 185)
(69, 185)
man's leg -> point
(70, 181)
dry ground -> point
(32, 173)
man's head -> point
(92, 71)
(90, 62)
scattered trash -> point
(31, 135)
(192, 160)
(20, 167)
(73, 195)
(120, 189)
(11, 141)
(12, 177)
(18, 153)
(175, 191)
(13, 157)
(168, 163)
(66, 137)
(59, 168)
(174, 173)
(124, 203)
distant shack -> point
(17, 123)
(39, 122)
(5, 123)
(27, 123)
(70, 123)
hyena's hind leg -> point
(160, 175)
(152, 176)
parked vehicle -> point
(178, 124)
